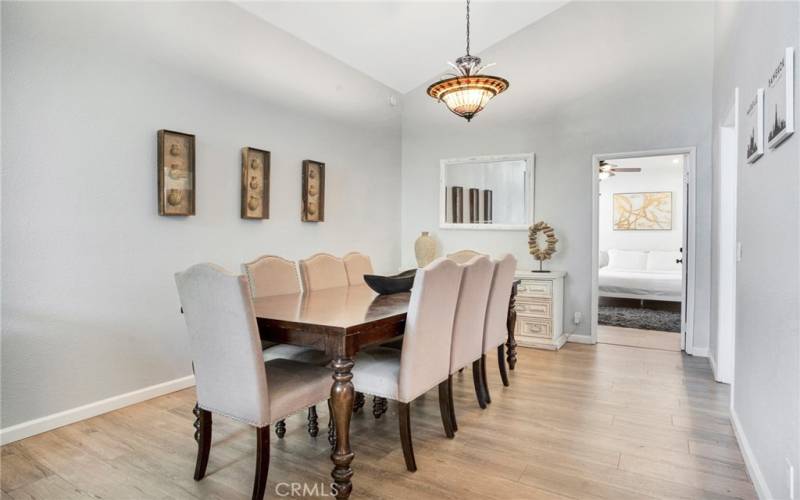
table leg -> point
(511, 323)
(342, 394)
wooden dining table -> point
(340, 321)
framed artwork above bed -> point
(642, 211)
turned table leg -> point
(511, 322)
(342, 395)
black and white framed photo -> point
(779, 101)
(754, 125)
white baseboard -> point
(760, 484)
(581, 339)
(713, 364)
(44, 424)
(700, 352)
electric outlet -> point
(790, 473)
(577, 318)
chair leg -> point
(331, 427)
(313, 425)
(379, 406)
(485, 380)
(453, 422)
(280, 428)
(404, 415)
(358, 404)
(202, 435)
(502, 364)
(262, 463)
(476, 379)
(444, 410)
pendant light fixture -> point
(467, 92)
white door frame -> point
(687, 339)
(723, 359)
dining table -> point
(340, 321)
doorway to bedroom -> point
(641, 233)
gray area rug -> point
(644, 319)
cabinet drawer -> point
(537, 308)
(531, 288)
(534, 327)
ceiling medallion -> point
(467, 92)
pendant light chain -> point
(467, 27)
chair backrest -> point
(425, 358)
(495, 330)
(357, 265)
(473, 299)
(224, 342)
(463, 256)
(271, 275)
(321, 271)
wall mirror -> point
(487, 192)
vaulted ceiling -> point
(401, 44)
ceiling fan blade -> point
(626, 169)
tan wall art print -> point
(176, 182)
(642, 211)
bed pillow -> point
(663, 261)
(603, 262)
(627, 260)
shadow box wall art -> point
(642, 211)
(313, 191)
(176, 173)
(754, 126)
(779, 101)
(255, 183)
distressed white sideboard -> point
(540, 309)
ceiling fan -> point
(609, 169)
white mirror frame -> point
(529, 183)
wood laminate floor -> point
(600, 422)
(634, 337)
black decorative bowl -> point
(386, 285)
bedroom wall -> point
(750, 39)
(564, 105)
(89, 304)
(648, 180)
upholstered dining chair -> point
(230, 372)
(495, 331)
(267, 276)
(321, 271)
(424, 361)
(463, 256)
(467, 348)
(357, 265)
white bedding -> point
(657, 285)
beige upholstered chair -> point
(321, 271)
(270, 275)
(473, 298)
(495, 331)
(424, 361)
(357, 265)
(463, 256)
(231, 375)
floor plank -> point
(604, 422)
(634, 337)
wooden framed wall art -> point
(176, 173)
(255, 183)
(313, 209)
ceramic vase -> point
(425, 249)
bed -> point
(646, 275)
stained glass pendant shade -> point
(467, 92)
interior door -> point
(684, 260)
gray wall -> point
(750, 39)
(89, 303)
(589, 78)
